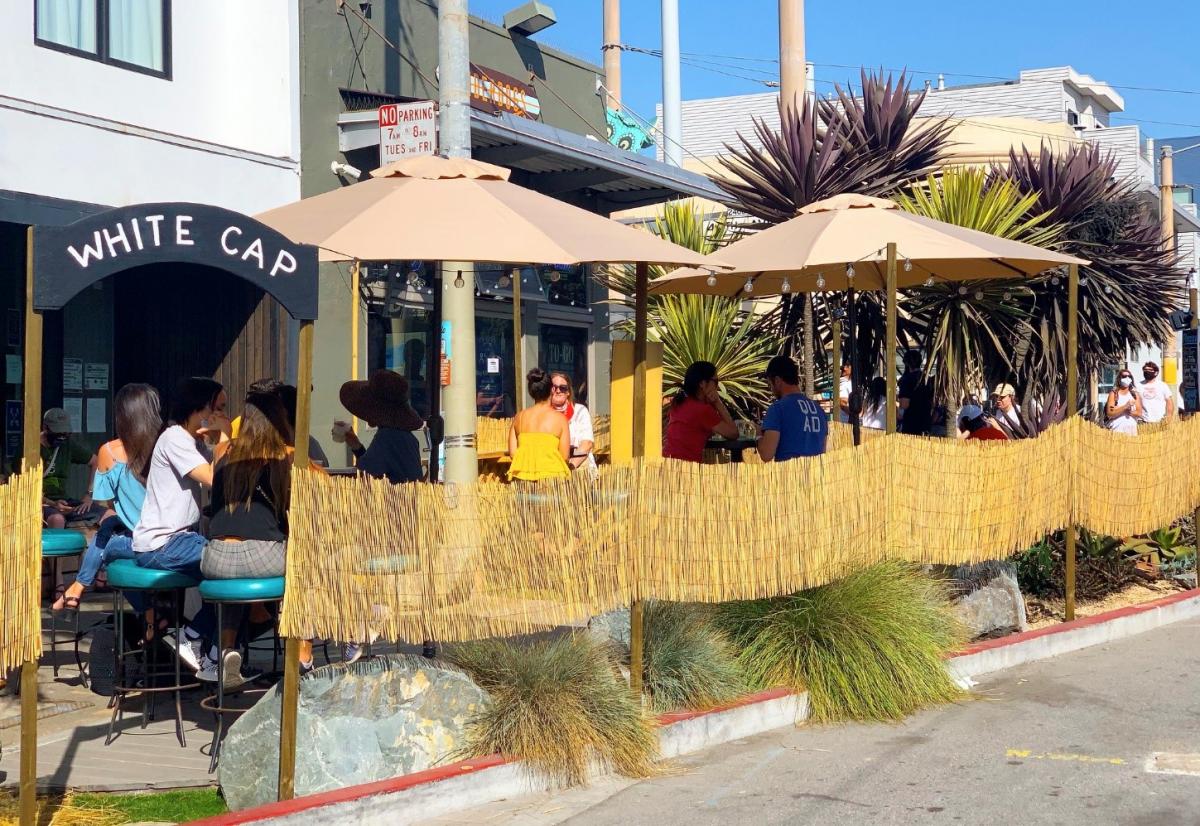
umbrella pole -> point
(517, 358)
(355, 280)
(640, 313)
(852, 321)
(889, 361)
(1072, 409)
(835, 367)
(289, 702)
(32, 456)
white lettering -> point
(137, 233)
(224, 236)
(113, 240)
(285, 262)
(154, 221)
(255, 250)
(89, 251)
(182, 235)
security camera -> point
(345, 170)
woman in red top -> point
(697, 412)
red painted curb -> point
(391, 785)
(1084, 622)
(408, 781)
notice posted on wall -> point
(96, 410)
(73, 376)
(74, 407)
(95, 376)
(493, 365)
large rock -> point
(376, 719)
(991, 603)
(613, 628)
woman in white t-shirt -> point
(874, 413)
(579, 421)
(1124, 405)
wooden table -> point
(734, 446)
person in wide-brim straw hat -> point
(382, 401)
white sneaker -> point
(232, 667)
(352, 652)
(189, 652)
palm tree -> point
(970, 332)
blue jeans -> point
(182, 555)
(95, 558)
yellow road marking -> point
(1028, 754)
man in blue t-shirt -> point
(795, 425)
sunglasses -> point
(561, 388)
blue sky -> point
(1137, 45)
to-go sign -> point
(407, 129)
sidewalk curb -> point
(447, 789)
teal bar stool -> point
(126, 575)
(59, 544)
(222, 592)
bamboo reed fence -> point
(20, 569)
(491, 435)
(451, 563)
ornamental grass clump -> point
(868, 647)
(689, 662)
(560, 705)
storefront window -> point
(566, 285)
(564, 350)
(495, 377)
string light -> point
(962, 290)
(850, 272)
(907, 265)
(1007, 295)
(979, 295)
(458, 280)
(1083, 282)
(1108, 289)
(1054, 280)
(820, 281)
(786, 287)
(929, 281)
(711, 280)
(749, 286)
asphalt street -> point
(1108, 735)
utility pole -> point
(672, 102)
(612, 52)
(793, 85)
(458, 277)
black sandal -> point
(70, 607)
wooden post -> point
(518, 396)
(640, 322)
(289, 702)
(1072, 408)
(32, 456)
(889, 361)
(835, 370)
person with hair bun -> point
(540, 438)
(696, 413)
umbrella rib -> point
(1009, 266)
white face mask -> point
(1126, 382)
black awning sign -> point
(68, 259)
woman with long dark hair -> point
(1123, 407)
(120, 480)
(539, 440)
(874, 414)
(697, 412)
(251, 492)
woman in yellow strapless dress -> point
(540, 438)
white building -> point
(106, 104)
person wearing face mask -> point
(59, 452)
(1158, 404)
(1124, 405)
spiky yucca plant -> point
(969, 331)
(870, 646)
(557, 704)
(700, 328)
(689, 662)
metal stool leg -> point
(177, 600)
(214, 750)
(149, 666)
(118, 666)
(54, 618)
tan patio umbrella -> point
(454, 209)
(856, 242)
